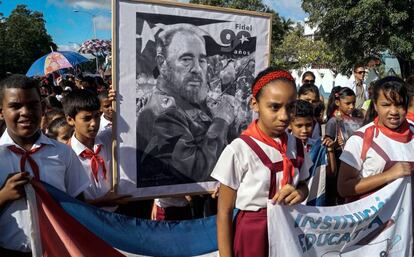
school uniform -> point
(104, 124)
(100, 181)
(243, 168)
(343, 126)
(55, 163)
(316, 131)
(373, 156)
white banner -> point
(377, 225)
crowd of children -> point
(62, 135)
(263, 162)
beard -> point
(187, 87)
(194, 95)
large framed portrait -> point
(183, 76)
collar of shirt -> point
(104, 122)
(6, 140)
(78, 147)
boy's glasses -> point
(309, 81)
(360, 72)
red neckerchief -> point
(96, 160)
(403, 135)
(410, 116)
(26, 155)
(254, 131)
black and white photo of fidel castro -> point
(181, 131)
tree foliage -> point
(297, 51)
(280, 26)
(23, 39)
(357, 29)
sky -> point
(69, 29)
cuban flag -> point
(317, 174)
(65, 227)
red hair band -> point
(263, 81)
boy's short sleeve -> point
(330, 129)
(351, 154)
(228, 170)
(76, 178)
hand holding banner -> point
(376, 225)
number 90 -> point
(228, 36)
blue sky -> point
(69, 29)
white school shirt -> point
(104, 124)
(58, 166)
(98, 188)
(374, 162)
(241, 169)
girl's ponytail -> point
(331, 101)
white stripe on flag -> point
(35, 242)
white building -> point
(326, 79)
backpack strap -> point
(273, 167)
(368, 143)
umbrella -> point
(96, 47)
(55, 61)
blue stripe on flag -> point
(320, 201)
(139, 236)
(318, 156)
(317, 174)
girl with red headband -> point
(264, 164)
(382, 150)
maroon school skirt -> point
(250, 236)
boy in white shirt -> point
(24, 153)
(82, 110)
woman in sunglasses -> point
(308, 78)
